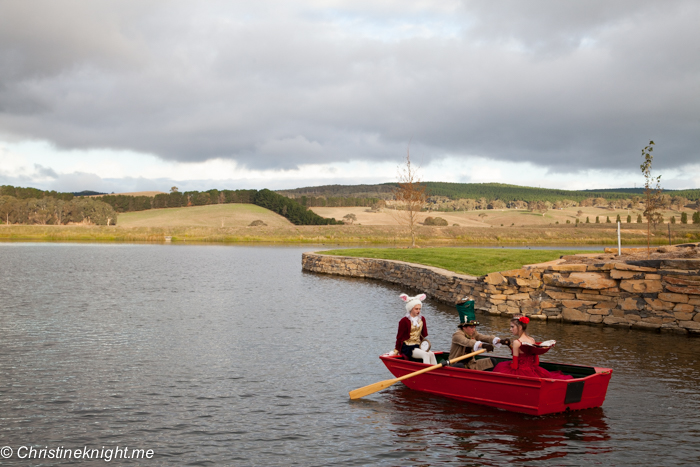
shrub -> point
(437, 221)
(629, 219)
(684, 218)
(256, 223)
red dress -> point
(528, 364)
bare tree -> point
(652, 193)
(539, 206)
(410, 195)
(497, 204)
(679, 202)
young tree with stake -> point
(410, 195)
(652, 192)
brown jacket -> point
(462, 345)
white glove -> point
(477, 346)
(497, 342)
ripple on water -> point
(217, 355)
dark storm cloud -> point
(566, 85)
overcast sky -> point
(131, 95)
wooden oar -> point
(372, 388)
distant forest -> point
(33, 193)
(32, 206)
(489, 191)
(52, 211)
(25, 205)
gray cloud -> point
(44, 172)
(565, 85)
(87, 181)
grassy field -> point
(498, 217)
(229, 223)
(472, 261)
(215, 215)
(351, 234)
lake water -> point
(228, 355)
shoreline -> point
(653, 295)
(344, 235)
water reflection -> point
(461, 433)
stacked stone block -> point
(655, 294)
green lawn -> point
(473, 261)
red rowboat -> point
(534, 396)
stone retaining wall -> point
(661, 295)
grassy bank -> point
(350, 234)
(472, 261)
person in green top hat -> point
(467, 339)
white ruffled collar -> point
(415, 320)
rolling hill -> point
(213, 215)
(490, 191)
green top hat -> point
(467, 317)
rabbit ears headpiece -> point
(412, 301)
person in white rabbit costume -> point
(412, 331)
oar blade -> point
(372, 388)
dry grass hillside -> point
(214, 215)
(231, 223)
(498, 218)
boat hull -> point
(534, 396)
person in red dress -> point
(526, 352)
